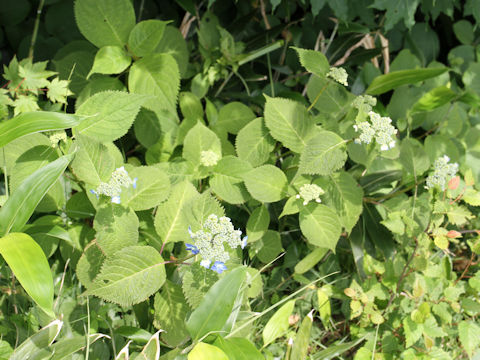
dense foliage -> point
(240, 180)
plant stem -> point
(318, 96)
(5, 175)
(35, 29)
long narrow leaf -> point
(21, 204)
(32, 122)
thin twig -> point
(35, 29)
(466, 269)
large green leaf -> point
(288, 122)
(198, 139)
(146, 36)
(110, 60)
(215, 308)
(320, 225)
(233, 117)
(20, 205)
(384, 83)
(227, 181)
(203, 351)
(253, 143)
(278, 324)
(174, 44)
(413, 157)
(32, 122)
(109, 114)
(257, 223)
(324, 153)
(238, 348)
(196, 282)
(469, 333)
(130, 277)
(35, 347)
(65, 348)
(314, 61)
(302, 339)
(30, 266)
(266, 183)
(198, 208)
(105, 22)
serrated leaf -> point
(146, 36)
(215, 308)
(292, 206)
(233, 117)
(268, 247)
(288, 122)
(320, 225)
(93, 162)
(253, 143)
(198, 208)
(198, 139)
(257, 223)
(152, 187)
(196, 282)
(413, 157)
(469, 334)
(147, 128)
(105, 22)
(314, 61)
(170, 313)
(332, 100)
(173, 43)
(157, 75)
(116, 227)
(110, 60)
(227, 179)
(109, 114)
(324, 153)
(278, 324)
(90, 263)
(170, 220)
(130, 277)
(266, 183)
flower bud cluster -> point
(113, 188)
(339, 75)
(380, 128)
(364, 103)
(209, 158)
(211, 240)
(56, 137)
(309, 192)
(442, 173)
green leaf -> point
(237, 348)
(35, 347)
(393, 80)
(464, 32)
(170, 313)
(130, 277)
(116, 227)
(215, 308)
(288, 122)
(278, 324)
(268, 247)
(314, 61)
(257, 223)
(146, 36)
(65, 348)
(203, 351)
(93, 163)
(434, 99)
(110, 60)
(105, 22)
(233, 117)
(89, 264)
(196, 282)
(332, 100)
(413, 157)
(190, 105)
(198, 208)
(157, 75)
(198, 139)
(469, 333)
(343, 194)
(153, 187)
(227, 181)
(336, 350)
(151, 351)
(33, 122)
(109, 115)
(302, 339)
(174, 44)
(170, 220)
(412, 330)
(30, 266)
(324, 153)
(147, 128)
(320, 225)
(266, 183)
(20, 205)
(310, 260)
(253, 143)
(396, 11)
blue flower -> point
(134, 183)
(206, 263)
(94, 192)
(219, 267)
(244, 242)
(192, 248)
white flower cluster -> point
(442, 173)
(380, 128)
(211, 240)
(309, 192)
(339, 75)
(113, 188)
(364, 103)
(56, 137)
(209, 158)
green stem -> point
(5, 175)
(87, 350)
(318, 96)
(35, 29)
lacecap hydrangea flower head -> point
(442, 173)
(211, 242)
(119, 179)
(309, 192)
(339, 75)
(379, 128)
